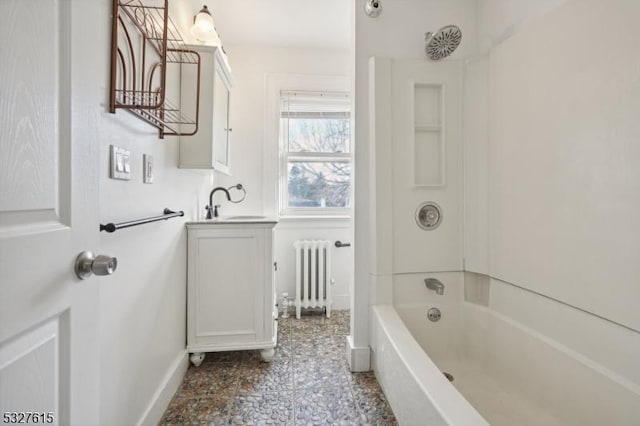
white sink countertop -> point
(234, 219)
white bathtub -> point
(504, 373)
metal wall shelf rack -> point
(143, 41)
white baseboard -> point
(166, 390)
(340, 301)
(359, 357)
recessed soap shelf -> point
(428, 142)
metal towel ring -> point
(241, 188)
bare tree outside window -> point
(331, 135)
(319, 183)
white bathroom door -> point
(49, 110)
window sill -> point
(306, 217)
(314, 222)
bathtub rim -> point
(446, 399)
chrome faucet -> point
(435, 285)
(210, 207)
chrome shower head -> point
(442, 43)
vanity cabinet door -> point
(229, 287)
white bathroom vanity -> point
(231, 302)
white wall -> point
(341, 258)
(254, 151)
(397, 33)
(142, 306)
(500, 19)
(563, 177)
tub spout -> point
(435, 285)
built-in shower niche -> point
(428, 145)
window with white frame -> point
(315, 153)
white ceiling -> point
(292, 23)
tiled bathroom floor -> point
(308, 383)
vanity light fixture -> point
(202, 28)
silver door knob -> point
(87, 264)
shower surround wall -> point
(417, 158)
(552, 178)
(397, 33)
(551, 183)
(564, 154)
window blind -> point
(304, 104)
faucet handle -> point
(209, 214)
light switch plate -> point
(147, 167)
(120, 163)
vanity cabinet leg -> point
(267, 354)
(197, 358)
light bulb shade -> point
(203, 28)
